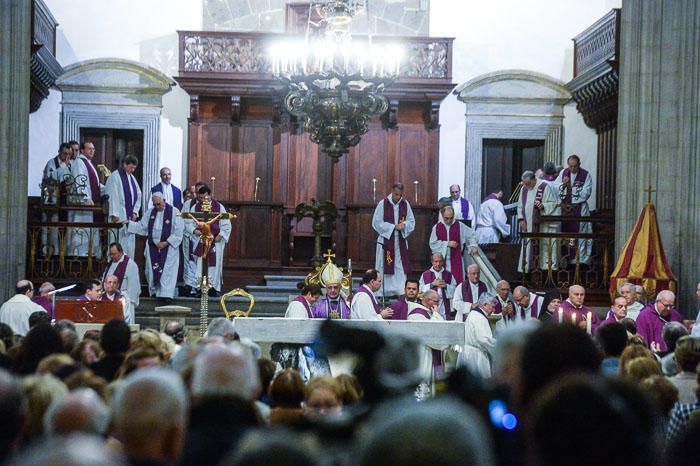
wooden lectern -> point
(89, 312)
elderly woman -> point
(479, 341)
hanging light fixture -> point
(336, 82)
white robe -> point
(449, 291)
(479, 344)
(426, 363)
(117, 208)
(215, 272)
(168, 279)
(457, 206)
(467, 239)
(296, 310)
(80, 238)
(15, 312)
(362, 307)
(491, 222)
(550, 206)
(634, 309)
(580, 196)
(459, 305)
(130, 288)
(528, 310)
(50, 241)
(189, 269)
(393, 284)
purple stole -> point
(389, 250)
(436, 354)
(400, 308)
(499, 306)
(456, 266)
(323, 309)
(82, 297)
(465, 208)
(215, 230)
(567, 207)
(94, 182)
(467, 291)
(302, 300)
(533, 308)
(119, 271)
(429, 276)
(159, 256)
(129, 202)
(489, 197)
(117, 296)
(362, 289)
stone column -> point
(15, 34)
(659, 130)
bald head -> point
(80, 411)
(226, 370)
(24, 287)
(577, 294)
(430, 299)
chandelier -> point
(335, 82)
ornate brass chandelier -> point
(335, 82)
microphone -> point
(60, 290)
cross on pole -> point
(204, 219)
(649, 191)
(329, 254)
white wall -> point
(508, 34)
(140, 30)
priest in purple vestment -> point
(93, 291)
(575, 311)
(438, 279)
(333, 305)
(44, 300)
(410, 295)
(464, 210)
(654, 316)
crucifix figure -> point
(204, 219)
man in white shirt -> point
(124, 201)
(364, 304)
(15, 311)
(127, 274)
(464, 210)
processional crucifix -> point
(203, 220)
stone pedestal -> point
(168, 313)
(659, 131)
(15, 54)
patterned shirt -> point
(680, 417)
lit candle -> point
(573, 318)
(589, 323)
(561, 315)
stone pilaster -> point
(659, 130)
(15, 34)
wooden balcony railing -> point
(600, 43)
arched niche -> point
(118, 94)
(510, 104)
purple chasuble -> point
(389, 244)
(400, 308)
(456, 266)
(94, 181)
(327, 309)
(46, 303)
(650, 325)
(119, 271)
(215, 230)
(302, 300)
(429, 276)
(581, 314)
(117, 296)
(363, 289)
(159, 256)
(127, 181)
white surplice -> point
(80, 238)
(362, 307)
(459, 305)
(117, 208)
(189, 267)
(296, 310)
(168, 278)
(479, 344)
(55, 170)
(580, 195)
(550, 206)
(215, 272)
(459, 215)
(393, 284)
(491, 222)
(130, 288)
(467, 239)
(426, 363)
(449, 291)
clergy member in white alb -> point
(55, 172)
(453, 240)
(479, 342)
(394, 222)
(492, 222)
(440, 280)
(163, 229)
(536, 198)
(127, 273)
(220, 229)
(529, 304)
(575, 186)
(467, 293)
(85, 173)
(432, 363)
(124, 201)
(189, 266)
(464, 210)
(364, 304)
